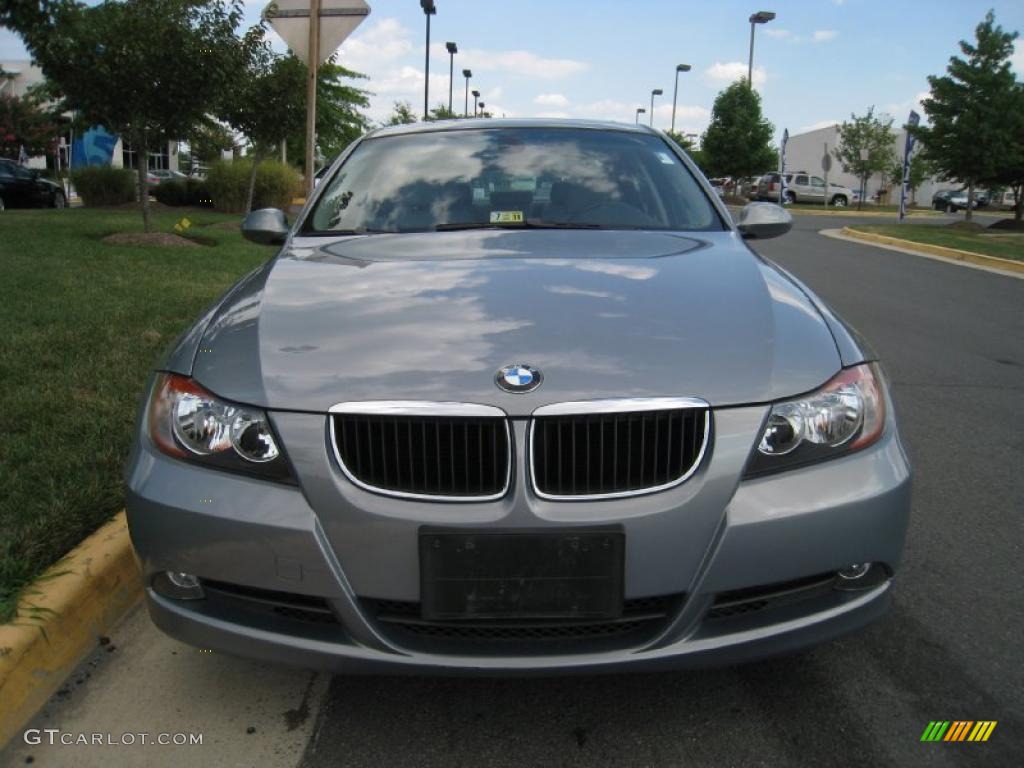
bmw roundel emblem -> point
(518, 377)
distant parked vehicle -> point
(22, 187)
(952, 200)
(157, 176)
(801, 187)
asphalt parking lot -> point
(952, 341)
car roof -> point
(433, 126)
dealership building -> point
(804, 152)
(95, 146)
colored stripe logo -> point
(958, 730)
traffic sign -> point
(338, 18)
(826, 162)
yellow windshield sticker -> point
(506, 217)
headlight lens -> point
(847, 414)
(188, 422)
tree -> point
(339, 120)
(147, 69)
(208, 139)
(267, 102)
(1012, 173)
(970, 110)
(441, 112)
(919, 171)
(26, 122)
(738, 141)
(401, 114)
(688, 146)
(866, 148)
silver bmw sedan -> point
(516, 396)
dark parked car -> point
(953, 200)
(22, 187)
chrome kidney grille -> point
(463, 452)
(622, 448)
(424, 450)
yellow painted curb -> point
(852, 212)
(80, 598)
(941, 251)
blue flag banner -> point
(782, 167)
(908, 150)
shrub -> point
(227, 183)
(103, 185)
(171, 192)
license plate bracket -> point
(521, 574)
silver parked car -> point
(516, 396)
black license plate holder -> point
(567, 574)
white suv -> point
(801, 187)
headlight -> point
(845, 415)
(188, 422)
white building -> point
(804, 152)
(16, 77)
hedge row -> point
(103, 185)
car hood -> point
(433, 316)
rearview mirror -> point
(763, 220)
(267, 226)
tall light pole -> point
(761, 17)
(452, 50)
(466, 73)
(429, 9)
(482, 105)
(655, 92)
(639, 111)
(675, 92)
(476, 95)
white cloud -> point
(551, 100)
(518, 62)
(381, 43)
(723, 73)
(606, 109)
(1017, 59)
(775, 32)
(552, 115)
(821, 35)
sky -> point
(814, 65)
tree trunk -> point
(257, 158)
(142, 161)
(970, 200)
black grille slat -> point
(463, 457)
(611, 453)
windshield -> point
(511, 178)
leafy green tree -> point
(146, 69)
(339, 119)
(267, 102)
(26, 121)
(738, 141)
(401, 114)
(919, 171)
(208, 139)
(866, 148)
(970, 110)
(1012, 171)
(441, 112)
(687, 145)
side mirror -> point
(764, 220)
(267, 226)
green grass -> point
(84, 324)
(1005, 245)
(852, 208)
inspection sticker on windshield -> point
(506, 217)
(665, 157)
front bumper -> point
(334, 543)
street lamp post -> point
(452, 50)
(429, 9)
(639, 111)
(761, 17)
(675, 92)
(655, 92)
(466, 73)
(482, 106)
(476, 95)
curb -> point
(940, 251)
(82, 597)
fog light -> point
(178, 585)
(855, 571)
